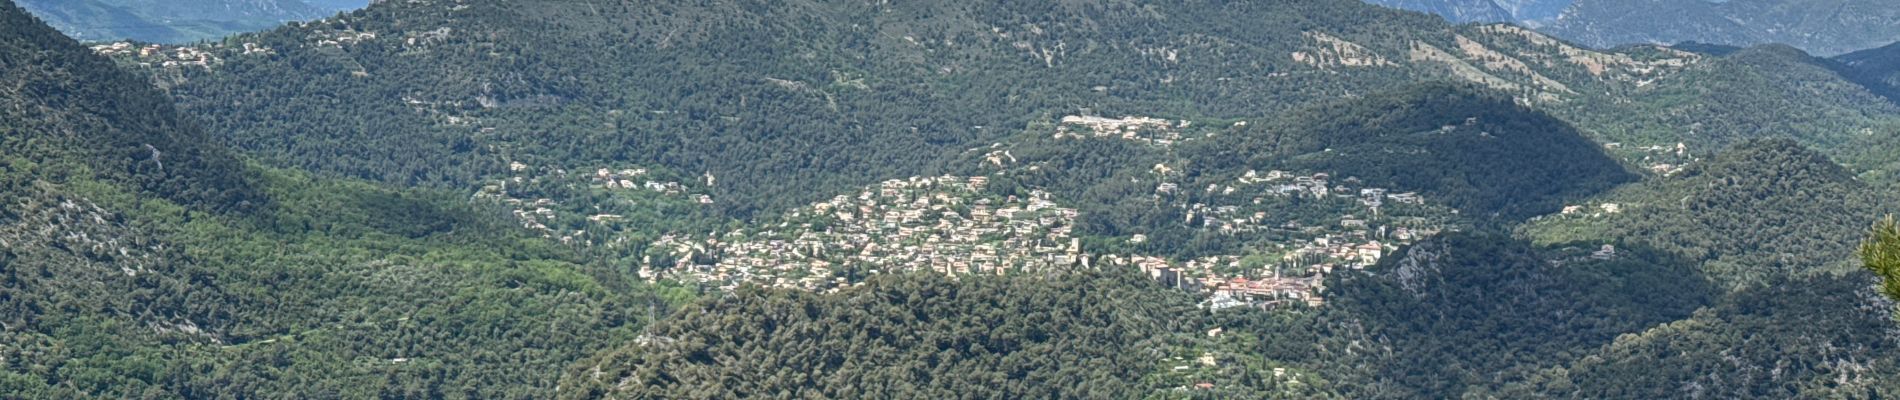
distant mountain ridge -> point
(85, 110)
(176, 21)
(1877, 66)
(970, 74)
(1824, 27)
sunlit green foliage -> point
(1880, 253)
(139, 261)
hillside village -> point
(953, 225)
(1300, 227)
(213, 54)
(602, 207)
(169, 57)
(1657, 159)
(947, 224)
(1296, 228)
(1146, 130)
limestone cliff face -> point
(1420, 267)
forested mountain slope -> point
(1478, 151)
(74, 112)
(1831, 336)
(1455, 314)
(1760, 210)
(932, 199)
(1876, 66)
(451, 92)
(1473, 154)
(752, 92)
(1084, 335)
(441, 92)
(1752, 93)
(137, 260)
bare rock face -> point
(1420, 267)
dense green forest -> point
(787, 102)
(1880, 253)
(457, 199)
(72, 114)
(1086, 335)
(1759, 210)
(345, 290)
(1476, 150)
(138, 261)
(1467, 147)
(1769, 91)
(1465, 315)
(1827, 337)
(1875, 66)
(1470, 311)
(819, 106)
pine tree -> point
(1880, 253)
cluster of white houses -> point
(166, 56)
(1365, 224)
(1154, 131)
(947, 224)
(538, 213)
(953, 225)
(1298, 275)
(341, 38)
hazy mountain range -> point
(177, 21)
(1825, 27)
